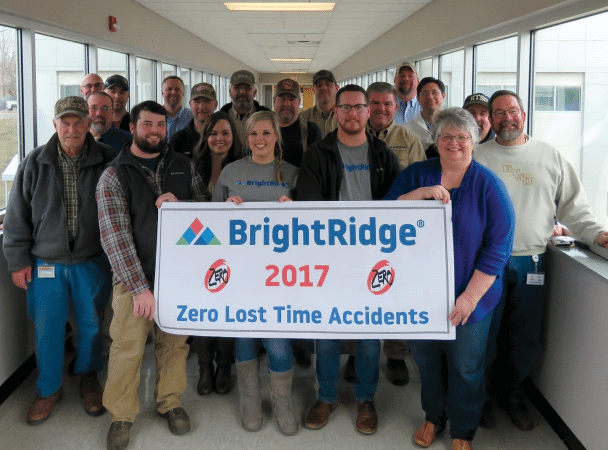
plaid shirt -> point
(69, 167)
(115, 224)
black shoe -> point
(205, 382)
(223, 379)
(302, 355)
(178, 420)
(349, 371)
(397, 372)
(519, 415)
(487, 419)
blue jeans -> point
(88, 285)
(280, 355)
(518, 340)
(367, 362)
(461, 401)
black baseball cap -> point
(117, 80)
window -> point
(168, 69)
(110, 63)
(144, 80)
(185, 75)
(495, 66)
(452, 74)
(570, 96)
(59, 71)
(424, 68)
(9, 111)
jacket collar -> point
(48, 155)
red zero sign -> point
(217, 276)
(381, 278)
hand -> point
(235, 199)
(22, 276)
(284, 198)
(144, 305)
(428, 193)
(465, 305)
(602, 240)
(166, 197)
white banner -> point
(346, 270)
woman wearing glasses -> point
(275, 179)
(483, 222)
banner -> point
(328, 270)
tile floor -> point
(215, 424)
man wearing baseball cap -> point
(325, 88)
(477, 105)
(406, 83)
(242, 92)
(53, 248)
(117, 87)
(203, 101)
(296, 134)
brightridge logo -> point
(205, 238)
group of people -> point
(84, 205)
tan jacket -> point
(327, 122)
(403, 142)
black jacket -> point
(256, 106)
(185, 140)
(321, 170)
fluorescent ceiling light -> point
(281, 6)
(291, 60)
(293, 71)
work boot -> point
(280, 396)
(223, 378)
(118, 435)
(250, 402)
(177, 420)
(91, 393)
(205, 381)
(397, 372)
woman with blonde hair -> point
(271, 180)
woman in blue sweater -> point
(483, 223)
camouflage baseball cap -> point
(203, 90)
(71, 105)
(288, 86)
(242, 77)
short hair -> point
(202, 152)
(455, 117)
(101, 93)
(501, 93)
(427, 80)
(148, 105)
(380, 87)
(173, 77)
(261, 116)
(351, 88)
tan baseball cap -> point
(242, 76)
(71, 105)
(203, 90)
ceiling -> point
(255, 37)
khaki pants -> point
(128, 341)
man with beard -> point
(100, 111)
(117, 87)
(178, 116)
(431, 94)
(348, 164)
(242, 92)
(296, 135)
(131, 189)
(53, 250)
(203, 102)
(477, 106)
(406, 83)
(325, 87)
(542, 184)
(91, 83)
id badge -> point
(46, 271)
(535, 278)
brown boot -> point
(280, 396)
(250, 402)
(91, 393)
(42, 407)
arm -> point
(467, 301)
(309, 185)
(427, 193)
(199, 191)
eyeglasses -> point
(447, 138)
(500, 113)
(89, 86)
(359, 107)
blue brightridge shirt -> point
(184, 116)
(483, 224)
(407, 111)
